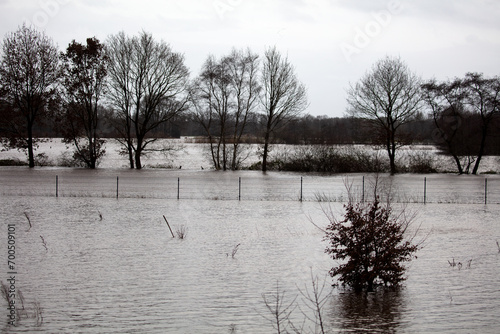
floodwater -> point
(94, 263)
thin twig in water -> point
(498, 245)
(44, 243)
(100, 215)
(280, 312)
(234, 251)
(315, 301)
(38, 314)
(29, 221)
(173, 236)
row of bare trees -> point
(137, 84)
(231, 90)
(464, 110)
(142, 84)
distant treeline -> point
(313, 130)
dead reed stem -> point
(173, 236)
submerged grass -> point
(181, 232)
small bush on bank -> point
(418, 163)
(12, 162)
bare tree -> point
(483, 98)
(149, 87)
(224, 98)
(389, 97)
(446, 103)
(29, 73)
(279, 310)
(120, 51)
(464, 111)
(284, 96)
(243, 67)
(212, 99)
(84, 84)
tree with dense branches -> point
(84, 87)
(371, 243)
(29, 75)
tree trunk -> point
(235, 155)
(481, 149)
(138, 153)
(138, 164)
(459, 165)
(131, 156)
(390, 153)
(391, 149)
(392, 159)
(264, 155)
(224, 155)
(31, 155)
(267, 138)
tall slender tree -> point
(243, 67)
(84, 84)
(29, 72)
(388, 96)
(283, 99)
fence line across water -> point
(256, 186)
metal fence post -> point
(363, 194)
(425, 190)
(239, 188)
(301, 187)
(485, 191)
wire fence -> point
(251, 186)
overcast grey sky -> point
(330, 42)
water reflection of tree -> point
(377, 312)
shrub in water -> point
(370, 241)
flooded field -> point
(88, 262)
